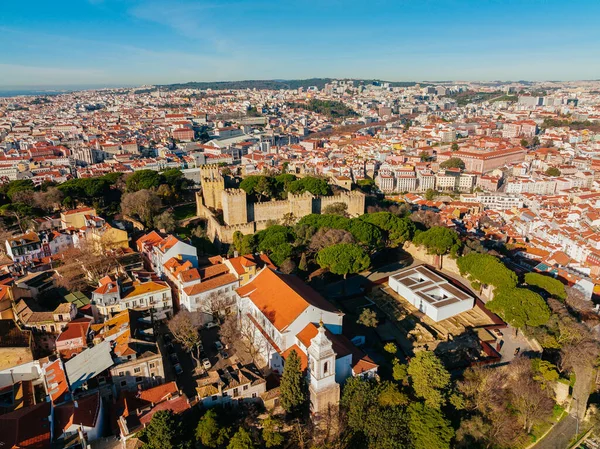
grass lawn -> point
(185, 211)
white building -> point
(430, 293)
(284, 313)
(497, 201)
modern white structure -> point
(430, 293)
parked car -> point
(178, 369)
(218, 345)
(211, 325)
(206, 364)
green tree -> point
(430, 194)
(519, 307)
(486, 269)
(241, 440)
(454, 146)
(366, 233)
(439, 240)
(163, 432)
(316, 186)
(552, 286)
(553, 171)
(16, 186)
(399, 371)
(524, 143)
(366, 185)
(209, 432)
(424, 156)
(292, 387)
(271, 432)
(429, 378)
(142, 180)
(428, 427)
(398, 230)
(368, 318)
(344, 259)
(453, 162)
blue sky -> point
(134, 42)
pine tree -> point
(292, 384)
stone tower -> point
(235, 209)
(323, 389)
(213, 185)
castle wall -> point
(235, 207)
(271, 210)
(354, 200)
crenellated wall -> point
(239, 215)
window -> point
(245, 387)
(235, 393)
(253, 395)
(225, 394)
(165, 295)
(123, 383)
(151, 365)
(137, 370)
(138, 380)
(214, 398)
(151, 299)
(326, 368)
(121, 373)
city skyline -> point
(116, 43)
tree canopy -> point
(344, 259)
(486, 269)
(553, 171)
(550, 285)
(438, 240)
(209, 432)
(163, 432)
(429, 378)
(453, 162)
(519, 307)
(292, 387)
(398, 230)
(429, 427)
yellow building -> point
(108, 237)
(76, 218)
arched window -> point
(326, 368)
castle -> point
(248, 218)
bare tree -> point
(218, 304)
(324, 238)
(83, 267)
(185, 331)
(528, 398)
(253, 341)
(143, 203)
(49, 200)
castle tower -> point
(323, 389)
(213, 185)
(235, 209)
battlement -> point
(234, 192)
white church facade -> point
(284, 314)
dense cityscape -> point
(323, 263)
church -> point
(282, 314)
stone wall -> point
(235, 207)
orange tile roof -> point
(301, 354)
(282, 298)
(210, 284)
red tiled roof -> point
(27, 427)
(282, 298)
